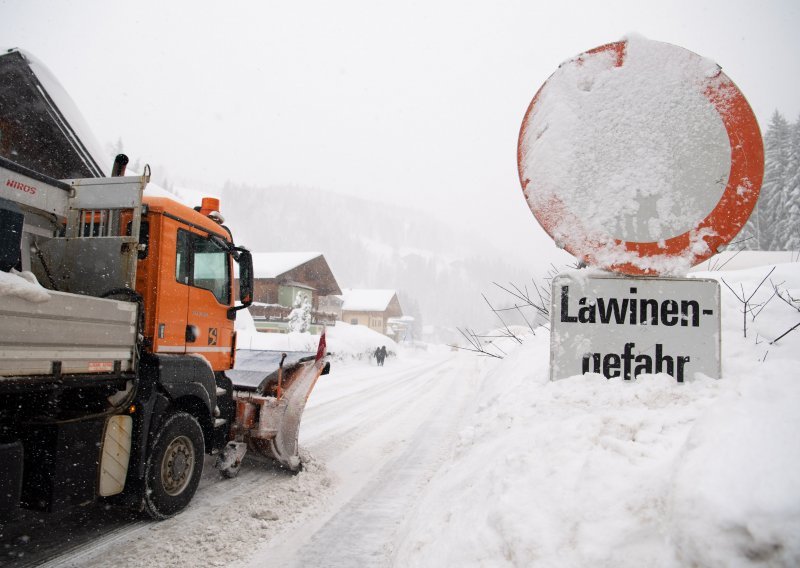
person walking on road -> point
(380, 355)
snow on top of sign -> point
(23, 285)
(634, 152)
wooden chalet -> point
(372, 308)
(278, 279)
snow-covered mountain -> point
(439, 270)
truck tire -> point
(174, 466)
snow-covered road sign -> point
(626, 327)
(640, 157)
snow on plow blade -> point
(270, 389)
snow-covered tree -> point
(789, 226)
(773, 223)
(300, 316)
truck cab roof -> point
(191, 217)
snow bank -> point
(226, 522)
(344, 341)
(736, 493)
(357, 340)
(23, 285)
(594, 472)
(740, 259)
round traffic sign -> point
(640, 157)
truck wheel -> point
(174, 466)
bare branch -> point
(759, 284)
(747, 308)
(511, 333)
(526, 321)
(788, 300)
(764, 305)
(718, 266)
(478, 351)
(721, 266)
(787, 332)
(732, 290)
(477, 346)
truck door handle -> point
(192, 333)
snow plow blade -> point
(269, 405)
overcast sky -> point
(417, 103)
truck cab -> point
(185, 271)
(114, 384)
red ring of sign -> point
(728, 216)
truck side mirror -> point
(245, 261)
(245, 277)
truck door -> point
(172, 297)
(209, 331)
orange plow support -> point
(269, 409)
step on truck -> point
(117, 340)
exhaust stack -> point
(120, 163)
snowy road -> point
(374, 437)
(382, 443)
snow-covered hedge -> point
(344, 341)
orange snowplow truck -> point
(117, 340)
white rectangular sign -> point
(625, 327)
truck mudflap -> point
(270, 404)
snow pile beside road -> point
(224, 526)
(344, 341)
(594, 472)
(357, 340)
(293, 341)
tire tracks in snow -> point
(336, 424)
(370, 518)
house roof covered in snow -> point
(367, 300)
(273, 264)
(307, 269)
